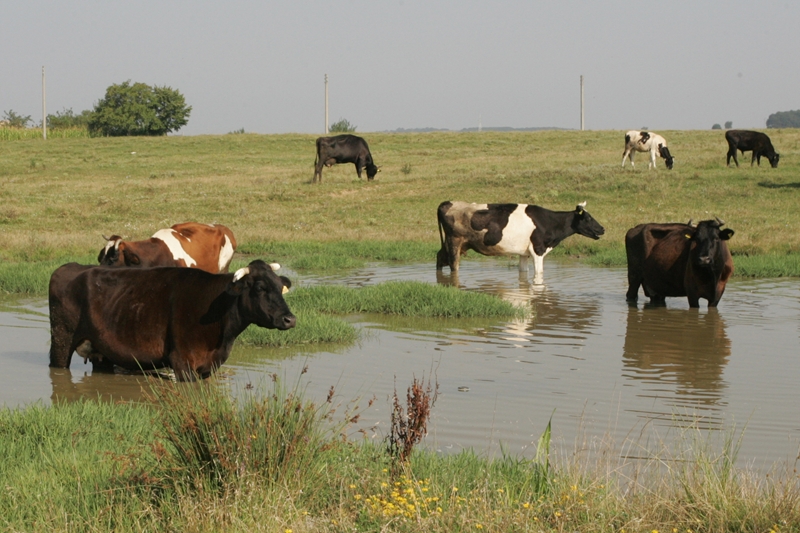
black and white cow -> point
(645, 141)
(755, 141)
(344, 149)
(508, 229)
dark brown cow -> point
(208, 247)
(344, 149)
(755, 141)
(679, 260)
(182, 318)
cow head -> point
(773, 161)
(664, 152)
(706, 241)
(110, 253)
(584, 224)
(259, 292)
(372, 170)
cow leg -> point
(60, 347)
(634, 282)
(183, 372)
(360, 164)
(538, 269)
(318, 171)
(523, 263)
(652, 163)
(732, 153)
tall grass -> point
(18, 134)
(201, 459)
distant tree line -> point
(784, 119)
(728, 125)
(127, 109)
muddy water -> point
(600, 367)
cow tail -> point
(442, 240)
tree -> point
(139, 109)
(784, 119)
(342, 126)
(68, 119)
(729, 125)
(716, 127)
(14, 120)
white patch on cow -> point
(517, 233)
(225, 255)
(239, 274)
(167, 236)
(275, 267)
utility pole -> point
(326, 104)
(44, 109)
(581, 102)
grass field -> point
(59, 196)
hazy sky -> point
(259, 65)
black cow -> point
(508, 229)
(755, 141)
(344, 149)
(150, 318)
(679, 260)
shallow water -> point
(597, 365)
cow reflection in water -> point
(676, 346)
(555, 318)
(117, 386)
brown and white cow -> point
(508, 229)
(679, 260)
(150, 318)
(208, 247)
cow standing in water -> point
(755, 141)
(344, 149)
(508, 229)
(150, 318)
(679, 260)
(208, 247)
(645, 141)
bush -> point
(342, 126)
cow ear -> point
(287, 284)
(131, 258)
(726, 234)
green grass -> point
(203, 458)
(59, 196)
(407, 298)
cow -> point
(208, 247)
(645, 141)
(755, 141)
(344, 149)
(508, 229)
(150, 318)
(679, 260)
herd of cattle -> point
(169, 302)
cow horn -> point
(583, 204)
(242, 272)
(720, 221)
(690, 222)
(106, 238)
(275, 267)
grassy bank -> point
(60, 195)
(196, 460)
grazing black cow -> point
(755, 141)
(508, 229)
(344, 149)
(679, 260)
(148, 318)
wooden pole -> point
(44, 108)
(581, 102)
(326, 104)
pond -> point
(599, 367)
